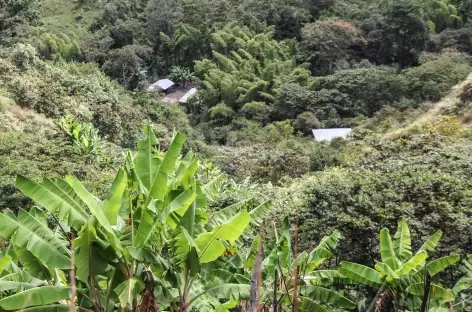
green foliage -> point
(181, 75)
(386, 42)
(433, 79)
(306, 122)
(81, 90)
(258, 111)
(441, 14)
(15, 16)
(84, 136)
(401, 277)
(160, 215)
(358, 91)
(247, 66)
(378, 189)
(327, 42)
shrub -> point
(432, 80)
(466, 95)
(323, 156)
(433, 191)
(360, 91)
(280, 131)
(256, 110)
(305, 122)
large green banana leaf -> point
(113, 202)
(229, 291)
(435, 291)
(53, 199)
(35, 297)
(147, 162)
(415, 262)
(431, 242)
(128, 290)
(26, 231)
(402, 240)
(51, 308)
(159, 186)
(438, 265)
(209, 245)
(386, 250)
(360, 274)
(87, 259)
(326, 296)
(224, 215)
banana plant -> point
(142, 248)
(462, 289)
(402, 278)
(290, 281)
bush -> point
(262, 163)
(40, 151)
(280, 131)
(421, 178)
(457, 39)
(305, 122)
(323, 156)
(466, 95)
(434, 79)
(83, 91)
(256, 110)
(360, 91)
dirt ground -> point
(175, 95)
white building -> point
(331, 134)
(161, 85)
(188, 95)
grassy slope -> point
(433, 111)
(68, 16)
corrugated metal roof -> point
(162, 84)
(330, 134)
(187, 95)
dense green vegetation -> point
(226, 202)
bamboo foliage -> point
(246, 66)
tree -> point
(128, 65)
(397, 35)
(440, 15)
(326, 42)
(151, 232)
(163, 16)
(358, 91)
(305, 122)
(402, 278)
(286, 277)
(14, 15)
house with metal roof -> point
(331, 134)
(188, 95)
(164, 85)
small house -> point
(331, 134)
(188, 95)
(164, 85)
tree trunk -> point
(427, 287)
(276, 284)
(256, 280)
(295, 298)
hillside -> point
(112, 199)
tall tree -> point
(326, 42)
(397, 35)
